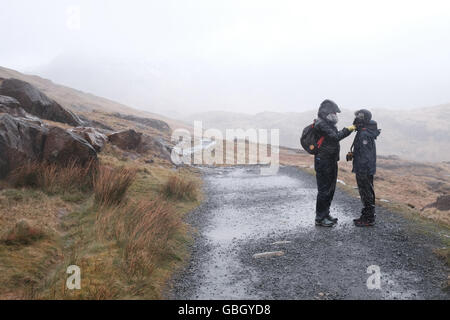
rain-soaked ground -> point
(245, 213)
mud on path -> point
(245, 213)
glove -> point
(351, 128)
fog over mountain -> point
(109, 190)
(420, 134)
(180, 57)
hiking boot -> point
(325, 222)
(364, 222)
(333, 219)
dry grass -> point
(24, 267)
(108, 183)
(436, 215)
(127, 241)
(111, 184)
(444, 254)
(33, 205)
(180, 188)
(142, 230)
(23, 233)
(53, 178)
(29, 248)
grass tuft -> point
(53, 178)
(23, 233)
(142, 229)
(111, 185)
(180, 188)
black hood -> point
(372, 129)
(327, 107)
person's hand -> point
(351, 128)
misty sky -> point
(243, 56)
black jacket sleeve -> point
(331, 133)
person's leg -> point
(370, 200)
(324, 178)
(333, 175)
(332, 188)
(367, 194)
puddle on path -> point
(247, 206)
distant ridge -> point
(419, 134)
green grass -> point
(74, 197)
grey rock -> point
(21, 140)
(153, 123)
(93, 136)
(35, 102)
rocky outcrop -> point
(157, 145)
(95, 124)
(126, 140)
(11, 106)
(148, 122)
(20, 141)
(35, 102)
(91, 135)
(24, 137)
(130, 140)
(23, 140)
(62, 146)
(443, 202)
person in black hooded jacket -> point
(326, 159)
(365, 164)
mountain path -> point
(247, 214)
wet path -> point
(246, 214)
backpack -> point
(310, 139)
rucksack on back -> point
(310, 140)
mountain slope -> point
(82, 102)
(61, 201)
(419, 134)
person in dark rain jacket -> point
(365, 164)
(325, 161)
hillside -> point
(81, 102)
(120, 215)
(105, 198)
(420, 134)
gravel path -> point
(245, 214)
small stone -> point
(268, 254)
(62, 212)
(281, 242)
